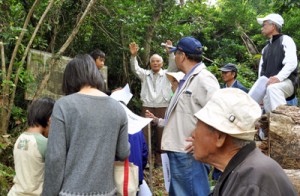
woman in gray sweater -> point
(88, 131)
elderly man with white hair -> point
(155, 93)
(224, 138)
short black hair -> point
(193, 57)
(81, 71)
(40, 111)
(97, 53)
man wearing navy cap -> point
(229, 74)
(278, 63)
(188, 177)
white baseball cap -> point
(231, 111)
(177, 75)
(272, 17)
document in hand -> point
(135, 122)
(123, 95)
(258, 90)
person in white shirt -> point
(30, 149)
(155, 93)
(278, 63)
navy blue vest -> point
(272, 60)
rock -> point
(284, 136)
(294, 176)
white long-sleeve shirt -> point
(290, 61)
(156, 89)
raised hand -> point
(133, 48)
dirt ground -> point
(157, 181)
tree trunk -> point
(124, 56)
(249, 44)
(150, 32)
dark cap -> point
(229, 67)
(188, 45)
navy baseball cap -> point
(189, 45)
(229, 67)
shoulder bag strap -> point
(125, 186)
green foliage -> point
(6, 163)
(6, 176)
(18, 116)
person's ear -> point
(221, 137)
(183, 56)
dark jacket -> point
(251, 173)
(238, 85)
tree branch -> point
(12, 60)
(2, 59)
(20, 68)
(63, 48)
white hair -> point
(158, 56)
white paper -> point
(166, 170)
(258, 90)
(135, 122)
(144, 189)
(123, 95)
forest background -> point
(228, 31)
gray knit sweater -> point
(86, 134)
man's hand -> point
(168, 44)
(273, 80)
(148, 114)
(190, 147)
(133, 49)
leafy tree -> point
(11, 73)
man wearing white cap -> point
(224, 138)
(278, 63)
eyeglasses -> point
(267, 23)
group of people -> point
(216, 126)
(198, 125)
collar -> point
(274, 38)
(233, 163)
(181, 82)
(191, 71)
(231, 84)
(160, 73)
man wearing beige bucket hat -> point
(224, 138)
